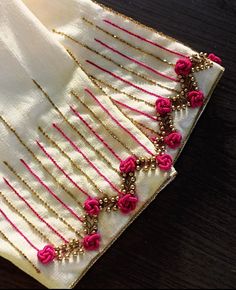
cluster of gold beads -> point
(146, 163)
(108, 203)
(128, 182)
(200, 62)
(71, 249)
(90, 224)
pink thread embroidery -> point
(135, 110)
(127, 203)
(85, 157)
(183, 66)
(128, 165)
(173, 140)
(49, 190)
(123, 80)
(47, 254)
(195, 98)
(18, 230)
(136, 61)
(118, 123)
(61, 169)
(164, 162)
(163, 106)
(215, 58)
(34, 211)
(92, 242)
(92, 206)
(142, 38)
(95, 133)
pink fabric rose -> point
(92, 207)
(164, 162)
(215, 58)
(127, 203)
(195, 98)
(92, 242)
(183, 66)
(47, 254)
(173, 140)
(128, 165)
(163, 106)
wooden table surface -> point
(187, 237)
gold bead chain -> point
(74, 128)
(19, 251)
(24, 218)
(71, 161)
(39, 197)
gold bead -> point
(105, 200)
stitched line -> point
(96, 134)
(136, 123)
(61, 169)
(85, 157)
(39, 197)
(114, 136)
(135, 61)
(18, 230)
(121, 92)
(49, 190)
(75, 129)
(138, 74)
(127, 43)
(122, 79)
(118, 123)
(20, 252)
(24, 218)
(135, 110)
(142, 38)
(34, 211)
(71, 161)
(38, 160)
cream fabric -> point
(68, 17)
(29, 51)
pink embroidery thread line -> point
(123, 80)
(95, 133)
(136, 61)
(118, 123)
(18, 230)
(143, 39)
(85, 157)
(34, 211)
(49, 190)
(62, 170)
(135, 110)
